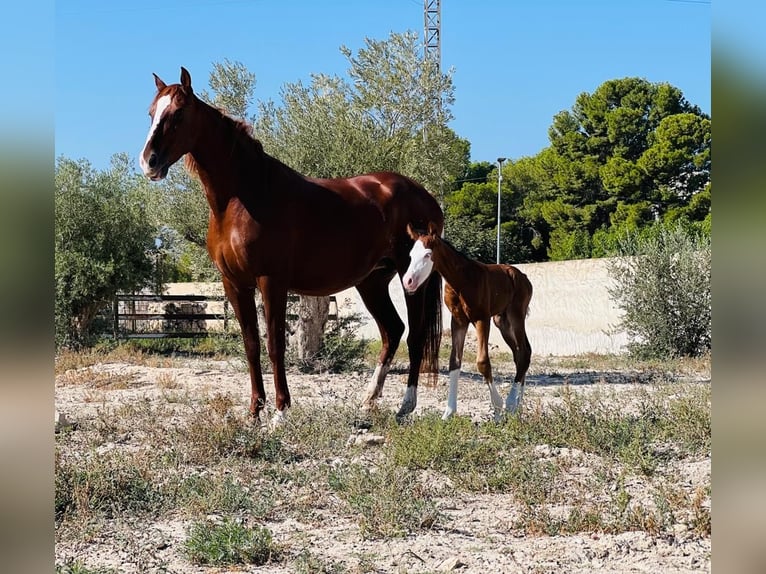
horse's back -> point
(398, 196)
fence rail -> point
(133, 314)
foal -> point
(474, 292)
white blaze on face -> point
(159, 109)
(420, 267)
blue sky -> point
(516, 64)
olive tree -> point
(103, 242)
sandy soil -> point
(479, 537)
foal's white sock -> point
(452, 396)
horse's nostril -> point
(152, 160)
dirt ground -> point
(479, 538)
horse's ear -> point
(432, 229)
(412, 233)
(186, 79)
(158, 82)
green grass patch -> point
(387, 501)
(109, 484)
(229, 542)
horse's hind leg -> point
(485, 367)
(375, 296)
(423, 338)
(459, 328)
(243, 302)
(511, 326)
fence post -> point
(116, 317)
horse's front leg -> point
(243, 303)
(484, 366)
(274, 296)
(374, 293)
(459, 328)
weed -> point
(388, 501)
(700, 519)
(207, 494)
(215, 431)
(167, 381)
(108, 484)
(229, 542)
(308, 563)
(77, 567)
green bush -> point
(662, 285)
(103, 243)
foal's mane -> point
(453, 248)
(239, 132)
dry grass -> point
(596, 462)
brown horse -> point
(275, 230)
(474, 292)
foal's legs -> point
(484, 366)
(511, 325)
(243, 302)
(459, 328)
(374, 293)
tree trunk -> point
(312, 317)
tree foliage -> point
(627, 155)
(104, 242)
(391, 114)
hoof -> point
(278, 420)
(368, 405)
(448, 414)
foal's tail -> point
(432, 327)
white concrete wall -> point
(571, 312)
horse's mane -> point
(239, 132)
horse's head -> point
(421, 263)
(172, 131)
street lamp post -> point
(500, 161)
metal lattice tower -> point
(432, 24)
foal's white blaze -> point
(452, 396)
(420, 267)
(159, 109)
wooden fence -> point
(142, 316)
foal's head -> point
(421, 262)
(172, 131)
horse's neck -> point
(217, 149)
(452, 265)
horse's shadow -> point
(578, 378)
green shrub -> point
(341, 350)
(103, 243)
(662, 285)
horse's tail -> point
(432, 328)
